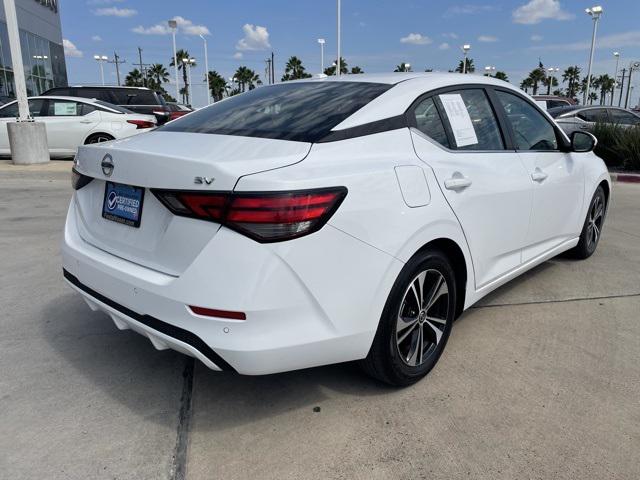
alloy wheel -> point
(423, 316)
(594, 225)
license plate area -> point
(123, 204)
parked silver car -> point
(578, 117)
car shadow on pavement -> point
(126, 367)
(121, 365)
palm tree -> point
(537, 75)
(355, 70)
(294, 70)
(180, 56)
(332, 69)
(550, 81)
(470, 66)
(217, 85)
(583, 87)
(158, 74)
(606, 85)
(501, 76)
(403, 67)
(526, 84)
(572, 75)
(246, 78)
(134, 78)
(593, 96)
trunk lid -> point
(169, 160)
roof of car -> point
(393, 78)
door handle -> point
(539, 175)
(457, 183)
(86, 121)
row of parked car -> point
(80, 115)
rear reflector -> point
(79, 180)
(265, 217)
(142, 124)
(212, 312)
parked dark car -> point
(553, 101)
(176, 110)
(136, 99)
(581, 117)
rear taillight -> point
(265, 217)
(79, 180)
(142, 124)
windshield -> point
(303, 112)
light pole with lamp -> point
(615, 76)
(632, 66)
(593, 12)
(187, 63)
(173, 25)
(489, 69)
(206, 68)
(101, 59)
(550, 78)
(465, 49)
(339, 63)
(321, 42)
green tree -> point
(403, 67)
(470, 66)
(550, 81)
(180, 56)
(355, 70)
(247, 79)
(158, 74)
(526, 84)
(500, 75)
(332, 69)
(572, 75)
(134, 78)
(593, 96)
(217, 85)
(294, 70)
(537, 75)
(606, 84)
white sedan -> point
(329, 220)
(71, 122)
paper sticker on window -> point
(463, 131)
(64, 108)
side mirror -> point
(583, 142)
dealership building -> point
(41, 44)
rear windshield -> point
(303, 112)
(134, 97)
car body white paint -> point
(317, 299)
(66, 133)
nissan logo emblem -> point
(107, 165)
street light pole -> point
(615, 76)
(206, 68)
(465, 49)
(595, 13)
(174, 25)
(101, 59)
(321, 42)
(338, 62)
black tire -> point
(592, 228)
(391, 358)
(98, 138)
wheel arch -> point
(99, 132)
(458, 261)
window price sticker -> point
(459, 118)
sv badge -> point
(203, 180)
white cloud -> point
(185, 26)
(238, 55)
(444, 46)
(617, 40)
(487, 38)
(96, 38)
(70, 50)
(537, 10)
(255, 38)
(536, 38)
(416, 39)
(115, 12)
(450, 35)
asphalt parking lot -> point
(542, 380)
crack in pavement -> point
(179, 460)
(564, 300)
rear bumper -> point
(308, 302)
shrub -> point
(618, 146)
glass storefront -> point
(44, 64)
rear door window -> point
(595, 115)
(624, 118)
(35, 109)
(472, 121)
(428, 121)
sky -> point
(377, 35)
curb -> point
(625, 177)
